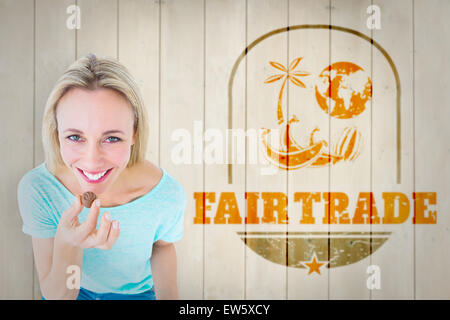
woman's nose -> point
(93, 153)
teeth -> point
(94, 176)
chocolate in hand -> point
(87, 198)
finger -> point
(73, 211)
(90, 223)
(113, 235)
(103, 231)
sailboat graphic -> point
(291, 155)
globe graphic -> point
(348, 88)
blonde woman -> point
(94, 133)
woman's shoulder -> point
(37, 201)
(35, 188)
(174, 185)
(39, 185)
(34, 178)
(167, 185)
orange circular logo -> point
(348, 88)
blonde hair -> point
(92, 73)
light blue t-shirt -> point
(125, 268)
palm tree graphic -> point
(288, 73)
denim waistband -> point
(85, 294)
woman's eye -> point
(76, 138)
(117, 139)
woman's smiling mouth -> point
(94, 178)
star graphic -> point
(313, 265)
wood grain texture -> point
(138, 49)
(181, 54)
(351, 177)
(314, 46)
(397, 270)
(98, 32)
(431, 147)
(264, 280)
(17, 92)
(182, 103)
(225, 38)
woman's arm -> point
(54, 256)
(52, 260)
(164, 270)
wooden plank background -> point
(182, 54)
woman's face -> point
(95, 129)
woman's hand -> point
(85, 235)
